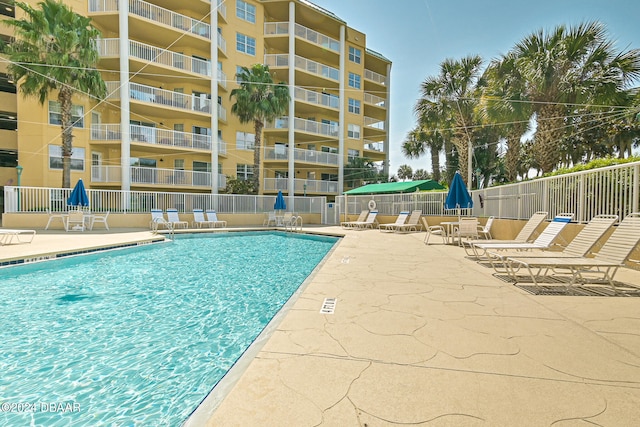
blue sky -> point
(417, 35)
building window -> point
(246, 11)
(55, 116)
(178, 164)
(355, 54)
(245, 140)
(143, 162)
(55, 158)
(326, 149)
(8, 121)
(245, 44)
(353, 131)
(8, 159)
(354, 106)
(244, 172)
(353, 153)
(354, 80)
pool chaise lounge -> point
(361, 218)
(401, 219)
(7, 236)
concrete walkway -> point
(421, 335)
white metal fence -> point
(39, 199)
(610, 190)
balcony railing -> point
(307, 126)
(370, 122)
(317, 98)
(222, 9)
(155, 55)
(312, 36)
(300, 155)
(155, 136)
(162, 97)
(375, 100)
(301, 185)
(156, 14)
(375, 77)
(156, 176)
(222, 79)
(313, 67)
(373, 146)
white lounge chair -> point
(612, 255)
(212, 217)
(100, 219)
(370, 222)
(8, 235)
(436, 230)
(199, 220)
(174, 219)
(524, 235)
(484, 231)
(361, 218)
(412, 224)
(400, 220)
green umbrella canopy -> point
(396, 187)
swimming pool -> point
(140, 336)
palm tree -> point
(568, 66)
(453, 91)
(259, 100)
(54, 50)
(405, 172)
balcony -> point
(155, 14)
(375, 77)
(174, 101)
(301, 186)
(300, 155)
(158, 137)
(316, 98)
(308, 35)
(375, 100)
(222, 10)
(110, 48)
(373, 146)
(317, 72)
(156, 176)
(305, 127)
(373, 123)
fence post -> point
(580, 209)
(635, 203)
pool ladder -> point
(294, 225)
(165, 224)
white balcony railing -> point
(156, 176)
(300, 155)
(222, 79)
(155, 55)
(155, 136)
(161, 97)
(375, 77)
(222, 9)
(373, 123)
(156, 14)
(276, 28)
(308, 186)
(307, 126)
(375, 100)
(312, 36)
(373, 146)
(317, 98)
(304, 64)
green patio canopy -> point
(396, 187)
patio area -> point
(420, 334)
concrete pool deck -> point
(421, 335)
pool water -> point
(140, 336)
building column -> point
(387, 103)
(342, 125)
(125, 112)
(291, 172)
(215, 185)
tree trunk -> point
(512, 158)
(64, 97)
(548, 137)
(462, 146)
(435, 164)
(258, 125)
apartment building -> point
(166, 124)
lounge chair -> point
(99, 218)
(484, 231)
(612, 255)
(361, 218)
(174, 219)
(7, 236)
(74, 220)
(580, 246)
(400, 220)
(467, 227)
(544, 240)
(212, 217)
(198, 219)
(437, 230)
(524, 235)
(412, 224)
(370, 222)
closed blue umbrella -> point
(78, 196)
(458, 196)
(280, 205)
